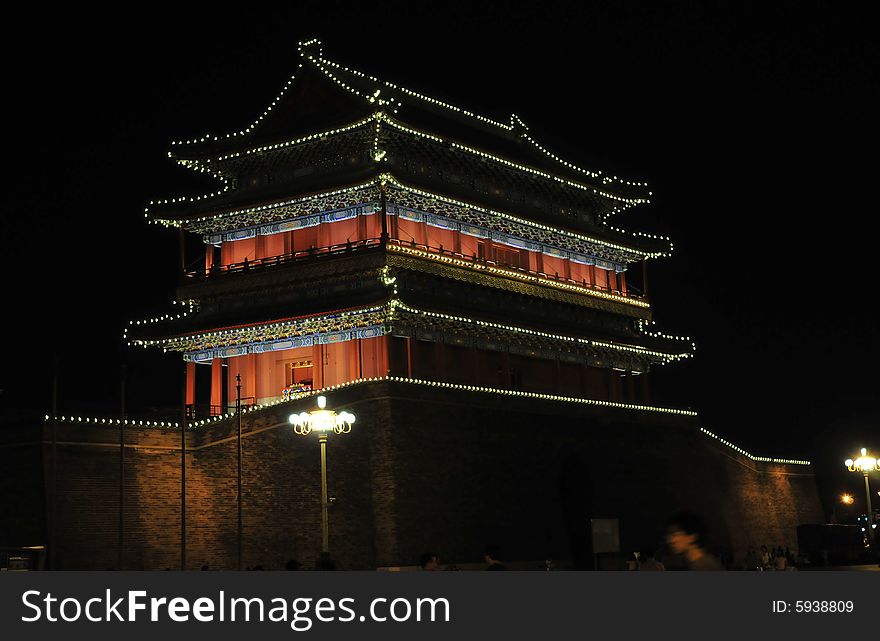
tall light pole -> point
(865, 464)
(322, 421)
(238, 447)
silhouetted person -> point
(765, 557)
(780, 562)
(686, 535)
(492, 556)
(429, 562)
(292, 564)
(752, 561)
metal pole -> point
(182, 242)
(54, 470)
(183, 476)
(325, 525)
(870, 515)
(238, 414)
(121, 473)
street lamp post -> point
(865, 464)
(238, 447)
(322, 421)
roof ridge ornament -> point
(518, 126)
(311, 48)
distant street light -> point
(322, 421)
(865, 464)
(847, 499)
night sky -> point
(754, 124)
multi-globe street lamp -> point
(322, 421)
(865, 464)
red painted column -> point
(408, 357)
(216, 384)
(353, 360)
(394, 231)
(646, 389)
(630, 387)
(317, 366)
(383, 355)
(250, 379)
(190, 384)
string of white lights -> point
(192, 308)
(510, 273)
(643, 325)
(503, 161)
(115, 422)
(284, 327)
(377, 379)
(323, 64)
(390, 179)
(299, 200)
(288, 328)
(109, 422)
(762, 459)
(636, 349)
(252, 126)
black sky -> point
(755, 125)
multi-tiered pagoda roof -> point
(338, 143)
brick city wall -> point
(423, 469)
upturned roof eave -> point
(367, 99)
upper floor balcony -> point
(503, 262)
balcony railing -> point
(285, 259)
(316, 253)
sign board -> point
(605, 535)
